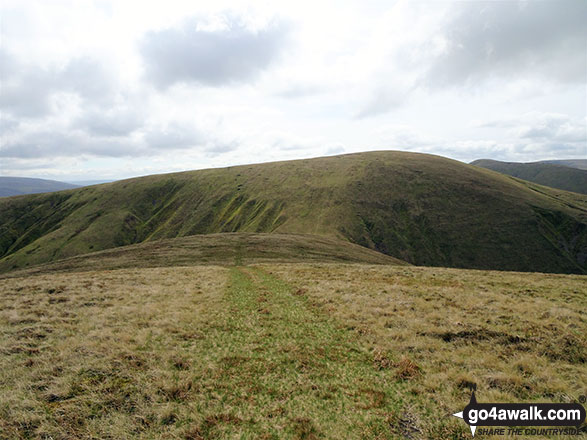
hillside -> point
(224, 249)
(554, 174)
(423, 209)
(15, 186)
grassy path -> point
(186, 353)
(283, 370)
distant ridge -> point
(16, 186)
(423, 209)
(563, 174)
(580, 164)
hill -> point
(580, 164)
(225, 249)
(556, 174)
(15, 186)
(423, 209)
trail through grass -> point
(186, 353)
(301, 351)
(283, 370)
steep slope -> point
(554, 175)
(16, 186)
(223, 249)
(423, 209)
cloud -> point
(110, 122)
(554, 128)
(301, 90)
(174, 136)
(508, 39)
(213, 57)
(28, 89)
(44, 143)
(384, 99)
(51, 141)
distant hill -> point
(556, 174)
(580, 164)
(423, 209)
(16, 186)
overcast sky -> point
(111, 89)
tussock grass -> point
(281, 350)
(514, 337)
(101, 354)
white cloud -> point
(99, 86)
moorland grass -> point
(514, 337)
(281, 350)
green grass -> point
(423, 209)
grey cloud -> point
(113, 122)
(49, 144)
(178, 136)
(191, 55)
(299, 90)
(509, 38)
(544, 127)
(382, 101)
(27, 89)
(88, 78)
(217, 147)
(174, 136)
(7, 124)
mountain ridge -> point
(555, 174)
(16, 186)
(423, 209)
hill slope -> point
(555, 175)
(219, 249)
(16, 186)
(423, 209)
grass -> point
(422, 209)
(305, 350)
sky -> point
(113, 89)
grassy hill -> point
(14, 186)
(282, 351)
(580, 164)
(554, 174)
(225, 249)
(426, 210)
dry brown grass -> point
(513, 336)
(286, 351)
(101, 354)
